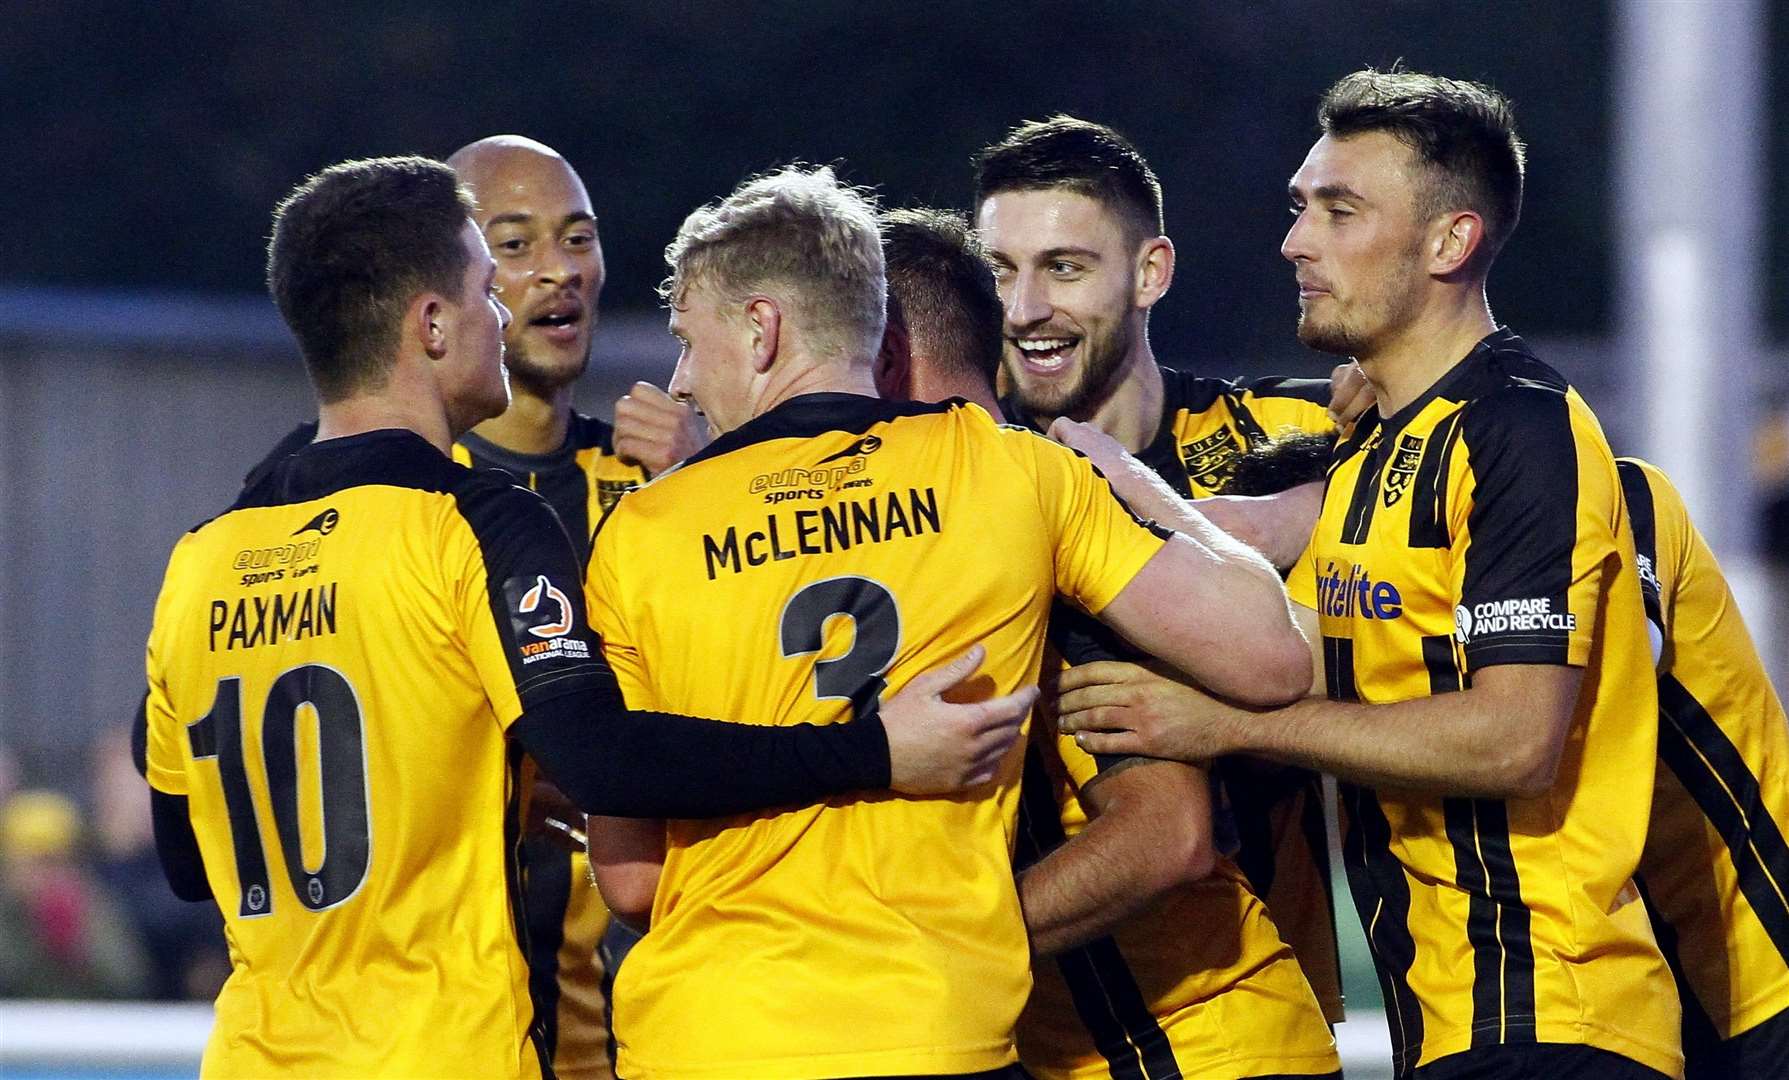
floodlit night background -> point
(142, 367)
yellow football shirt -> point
(1198, 985)
(1481, 525)
(802, 565)
(333, 667)
(1715, 868)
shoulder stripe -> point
(1428, 492)
(1105, 993)
(1382, 898)
(1717, 777)
(815, 414)
(1358, 522)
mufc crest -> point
(609, 492)
(1210, 461)
(1403, 468)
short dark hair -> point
(1464, 132)
(1082, 156)
(939, 280)
(351, 247)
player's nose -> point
(1026, 301)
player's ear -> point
(1452, 241)
(894, 363)
(764, 322)
(430, 317)
(1155, 271)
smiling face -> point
(537, 219)
(1067, 271)
(1356, 242)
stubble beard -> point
(1100, 370)
(523, 371)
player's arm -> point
(1149, 830)
(1201, 600)
(1518, 534)
(176, 846)
(627, 856)
(1500, 738)
(1277, 525)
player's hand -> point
(1117, 708)
(1349, 395)
(936, 746)
(655, 430)
(1135, 482)
(552, 817)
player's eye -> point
(1062, 268)
(580, 240)
(515, 245)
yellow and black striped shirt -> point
(1481, 525)
(1715, 870)
(1277, 828)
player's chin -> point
(550, 363)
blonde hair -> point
(799, 227)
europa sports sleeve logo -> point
(543, 618)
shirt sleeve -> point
(1277, 406)
(602, 594)
(1534, 513)
(1100, 544)
(163, 759)
(521, 598)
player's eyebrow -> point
(1084, 254)
(1338, 191)
(512, 218)
(577, 217)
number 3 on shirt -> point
(341, 747)
(857, 675)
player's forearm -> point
(1227, 620)
(613, 761)
(1278, 526)
(1096, 881)
(177, 848)
(1150, 831)
(1450, 744)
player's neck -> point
(381, 411)
(1132, 412)
(536, 421)
(1403, 368)
(927, 385)
(816, 378)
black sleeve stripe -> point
(1637, 493)
(1714, 772)
(1523, 527)
(522, 541)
